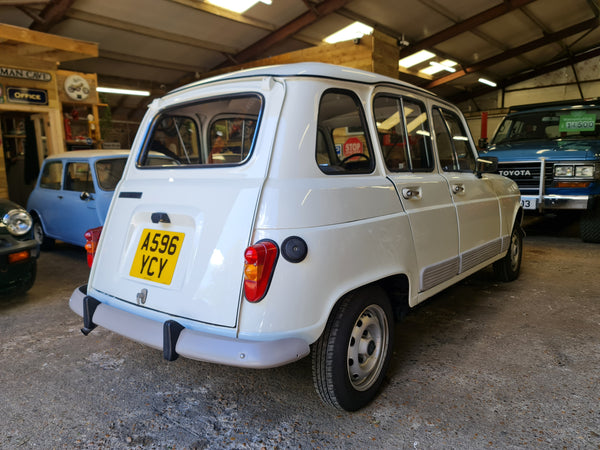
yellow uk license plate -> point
(156, 256)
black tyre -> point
(29, 280)
(589, 225)
(508, 268)
(350, 359)
(45, 242)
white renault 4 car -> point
(295, 209)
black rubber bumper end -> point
(171, 332)
(89, 307)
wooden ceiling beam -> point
(73, 49)
(532, 45)
(52, 13)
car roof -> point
(90, 154)
(311, 69)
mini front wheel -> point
(45, 242)
(350, 359)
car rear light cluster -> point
(91, 243)
(259, 265)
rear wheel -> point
(350, 359)
(508, 268)
(589, 226)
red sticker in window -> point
(351, 146)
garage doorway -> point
(24, 145)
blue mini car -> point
(562, 142)
(73, 193)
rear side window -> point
(403, 130)
(219, 131)
(342, 146)
(452, 142)
(79, 178)
(109, 172)
(52, 175)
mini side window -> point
(403, 130)
(342, 144)
(109, 172)
(452, 141)
(78, 177)
(52, 175)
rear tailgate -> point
(175, 236)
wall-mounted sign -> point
(25, 74)
(26, 95)
(77, 87)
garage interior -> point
(481, 365)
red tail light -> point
(91, 243)
(260, 260)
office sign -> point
(27, 96)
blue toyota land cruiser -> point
(562, 142)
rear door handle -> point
(411, 193)
(458, 188)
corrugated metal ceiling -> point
(155, 44)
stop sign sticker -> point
(352, 146)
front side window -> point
(403, 130)
(452, 141)
(213, 132)
(52, 175)
(109, 172)
(342, 143)
(78, 177)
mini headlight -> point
(563, 171)
(18, 222)
(584, 171)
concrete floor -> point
(481, 365)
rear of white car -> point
(260, 218)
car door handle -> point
(458, 188)
(411, 193)
(60, 197)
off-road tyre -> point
(589, 225)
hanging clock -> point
(77, 87)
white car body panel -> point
(359, 228)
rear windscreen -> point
(219, 131)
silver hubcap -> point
(367, 347)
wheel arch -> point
(396, 288)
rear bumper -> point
(175, 340)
